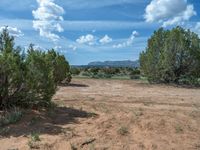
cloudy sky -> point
(95, 30)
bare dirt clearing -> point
(112, 114)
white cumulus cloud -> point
(169, 12)
(73, 47)
(128, 42)
(13, 31)
(87, 39)
(106, 39)
(47, 19)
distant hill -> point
(126, 63)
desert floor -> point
(111, 115)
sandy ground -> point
(112, 115)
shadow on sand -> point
(45, 122)
(77, 85)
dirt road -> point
(113, 115)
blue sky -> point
(95, 30)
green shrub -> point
(29, 80)
(35, 137)
(135, 77)
(87, 74)
(184, 81)
(60, 67)
(123, 130)
(107, 76)
(178, 129)
(172, 56)
(10, 117)
(135, 74)
(189, 81)
(75, 71)
(33, 142)
(12, 72)
(39, 79)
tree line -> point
(29, 79)
(105, 72)
(172, 56)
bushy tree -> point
(151, 59)
(171, 56)
(12, 72)
(61, 68)
(39, 78)
(29, 80)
